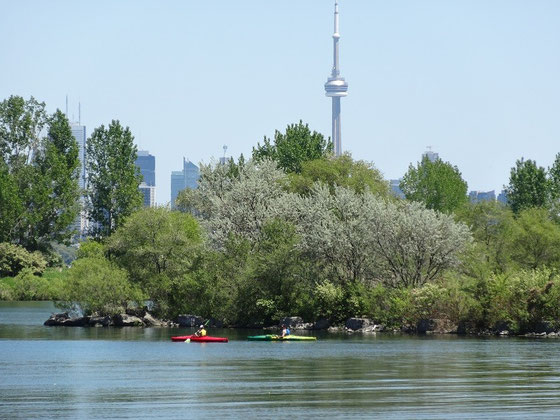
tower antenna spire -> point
(336, 87)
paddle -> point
(188, 340)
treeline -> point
(297, 231)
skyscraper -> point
(336, 87)
(146, 163)
(79, 133)
(187, 178)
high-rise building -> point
(146, 163)
(187, 178)
(502, 197)
(79, 133)
(149, 193)
(432, 156)
(395, 185)
(335, 88)
(479, 196)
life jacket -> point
(202, 332)
(287, 331)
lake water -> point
(100, 373)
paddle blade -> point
(188, 340)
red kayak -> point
(205, 339)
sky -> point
(477, 81)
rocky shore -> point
(143, 318)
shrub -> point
(14, 258)
(28, 286)
(95, 285)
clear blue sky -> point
(477, 80)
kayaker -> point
(285, 331)
(201, 332)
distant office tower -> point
(396, 188)
(432, 156)
(149, 193)
(502, 197)
(147, 165)
(479, 196)
(335, 88)
(79, 133)
(187, 178)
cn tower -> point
(336, 87)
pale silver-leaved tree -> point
(361, 237)
(239, 204)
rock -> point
(63, 319)
(292, 322)
(334, 329)
(189, 321)
(150, 321)
(124, 320)
(321, 324)
(100, 321)
(378, 328)
(355, 324)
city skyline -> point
(476, 80)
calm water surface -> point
(99, 373)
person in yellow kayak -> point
(285, 331)
(201, 332)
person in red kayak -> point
(201, 332)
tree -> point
(528, 186)
(241, 204)
(536, 240)
(297, 145)
(359, 176)
(113, 178)
(160, 249)
(491, 224)
(360, 238)
(437, 184)
(38, 175)
(97, 286)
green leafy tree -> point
(113, 178)
(160, 250)
(491, 224)
(38, 175)
(343, 171)
(528, 186)
(536, 240)
(437, 184)
(97, 286)
(290, 149)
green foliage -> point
(437, 184)
(294, 147)
(14, 258)
(38, 175)
(358, 176)
(492, 226)
(535, 240)
(97, 286)
(28, 286)
(160, 249)
(113, 178)
(528, 186)
(91, 249)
